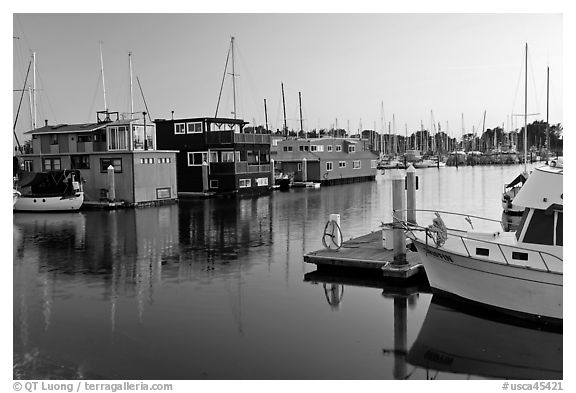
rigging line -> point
(223, 78)
(251, 85)
(19, 104)
(534, 89)
(520, 74)
(46, 95)
(94, 96)
(144, 99)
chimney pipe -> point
(172, 115)
(45, 122)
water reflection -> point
(458, 341)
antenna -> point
(300, 102)
(284, 107)
(233, 76)
(265, 115)
(131, 95)
(34, 89)
(526, 110)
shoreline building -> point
(327, 161)
(216, 156)
(142, 174)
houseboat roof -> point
(67, 128)
(325, 156)
(542, 189)
(209, 119)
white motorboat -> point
(50, 191)
(515, 272)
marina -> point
(277, 207)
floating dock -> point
(367, 252)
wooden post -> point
(304, 171)
(205, 184)
(272, 175)
(336, 219)
(411, 194)
(398, 205)
(111, 184)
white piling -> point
(111, 184)
(272, 176)
(336, 218)
(304, 171)
(411, 194)
(398, 206)
(205, 185)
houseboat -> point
(142, 173)
(216, 156)
(327, 161)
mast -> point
(265, 115)
(463, 131)
(394, 146)
(300, 103)
(34, 89)
(381, 126)
(526, 109)
(547, 107)
(131, 95)
(233, 76)
(103, 81)
(284, 107)
(484, 123)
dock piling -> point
(205, 185)
(304, 171)
(111, 184)
(411, 194)
(272, 176)
(397, 207)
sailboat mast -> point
(394, 147)
(34, 88)
(131, 95)
(547, 107)
(265, 115)
(300, 104)
(233, 77)
(103, 81)
(381, 126)
(526, 109)
(284, 107)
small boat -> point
(517, 273)
(425, 163)
(50, 191)
(15, 195)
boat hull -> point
(508, 288)
(46, 204)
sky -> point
(417, 67)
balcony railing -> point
(252, 138)
(244, 167)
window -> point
(264, 157)
(84, 138)
(163, 193)
(117, 138)
(356, 164)
(521, 256)
(80, 162)
(51, 164)
(341, 164)
(179, 128)
(373, 164)
(314, 148)
(482, 251)
(237, 155)
(195, 159)
(194, 127)
(262, 181)
(274, 142)
(329, 166)
(228, 156)
(329, 148)
(214, 183)
(253, 157)
(287, 148)
(540, 228)
(338, 148)
(299, 166)
(559, 227)
(244, 183)
(149, 160)
(351, 149)
(301, 148)
(115, 162)
(213, 156)
(53, 139)
(165, 160)
(28, 167)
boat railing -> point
(543, 260)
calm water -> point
(215, 289)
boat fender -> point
(438, 230)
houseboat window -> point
(264, 157)
(540, 229)
(213, 156)
(262, 181)
(163, 193)
(117, 138)
(53, 139)
(228, 156)
(356, 164)
(179, 128)
(373, 164)
(274, 142)
(341, 164)
(287, 148)
(214, 183)
(237, 154)
(28, 166)
(338, 148)
(195, 159)
(80, 162)
(559, 229)
(329, 148)
(482, 251)
(351, 149)
(244, 183)
(51, 164)
(299, 168)
(137, 137)
(329, 166)
(115, 162)
(521, 256)
(84, 138)
(194, 127)
(253, 157)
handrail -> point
(446, 212)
